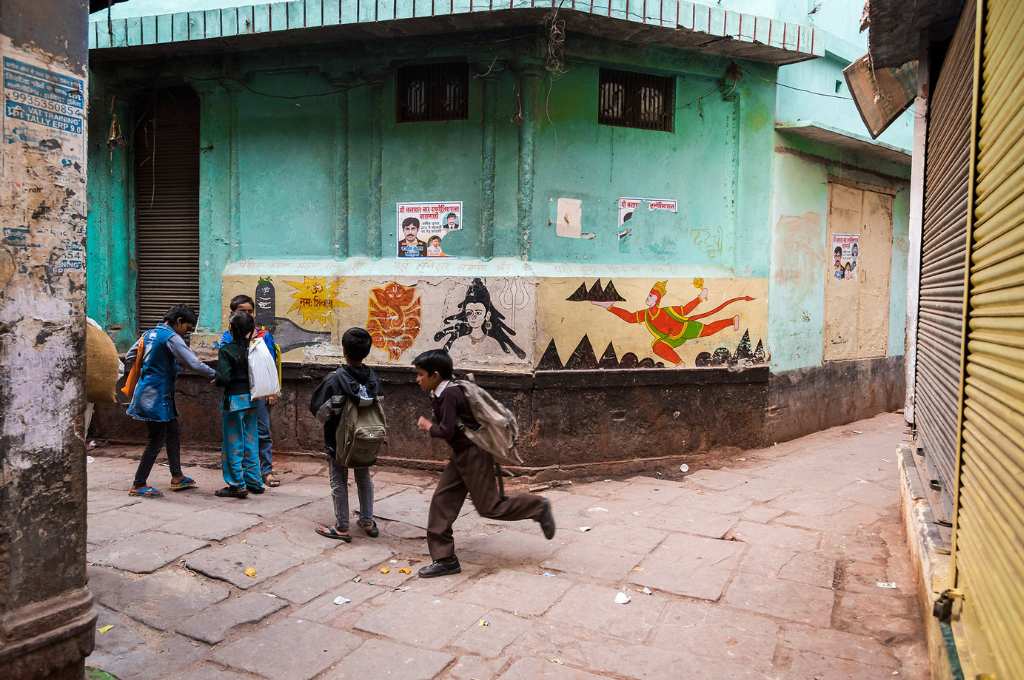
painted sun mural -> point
(315, 298)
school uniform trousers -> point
(472, 471)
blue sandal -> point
(145, 492)
(185, 483)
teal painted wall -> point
(285, 175)
(796, 304)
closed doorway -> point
(857, 273)
(166, 178)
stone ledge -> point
(929, 555)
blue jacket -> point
(154, 395)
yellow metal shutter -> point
(943, 248)
(989, 556)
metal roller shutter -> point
(989, 530)
(166, 157)
(943, 250)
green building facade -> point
(590, 155)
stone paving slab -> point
(542, 669)
(145, 552)
(516, 592)
(692, 566)
(440, 620)
(492, 634)
(691, 521)
(594, 559)
(781, 599)
(158, 600)
(310, 580)
(812, 569)
(211, 525)
(362, 555)
(508, 548)
(777, 536)
(229, 562)
(717, 632)
(290, 648)
(470, 667)
(410, 507)
(324, 610)
(212, 625)
(593, 607)
(117, 526)
(99, 501)
(839, 645)
(210, 672)
(390, 661)
(162, 656)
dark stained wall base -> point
(585, 422)
(580, 422)
(812, 399)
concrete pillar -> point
(46, 617)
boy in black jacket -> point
(470, 470)
(359, 383)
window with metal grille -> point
(433, 92)
(636, 100)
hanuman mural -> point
(673, 326)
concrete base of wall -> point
(929, 554)
(578, 422)
(839, 392)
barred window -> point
(433, 92)
(636, 100)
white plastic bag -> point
(262, 371)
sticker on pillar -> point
(674, 325)
(845, 251)
(393, 318)
(44, 97)
(477, 328)
(421, 227)
(315, 299)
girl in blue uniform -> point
(153, 400)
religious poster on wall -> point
(845, 251)
(423, 226)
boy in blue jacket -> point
(244, 303)
(153, 398)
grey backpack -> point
(498, 433)
(362, 432)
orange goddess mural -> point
(393, 318)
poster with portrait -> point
(422, 227)
(845, 251)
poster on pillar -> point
(422, 227)
(42, 174)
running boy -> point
(153, 398)
(359, 383)
(244, 303)
(240, 457)
(470, 470)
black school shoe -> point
(547, 521)
(437, 568)
(231, 492)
